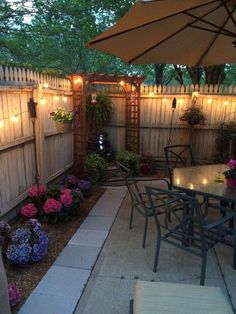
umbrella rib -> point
(219, 29)
(146, 24)
(211, 44)
(212, 31)
(230, 13)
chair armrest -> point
(219, 222)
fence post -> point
(39, 136)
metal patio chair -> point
(139, 199)
(178, 156)
(189, 229)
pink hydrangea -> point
(36, 190)
(52, 206)
(66, 191)
(232, 163)
(66, 199)
(29, 210)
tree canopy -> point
(50, 36)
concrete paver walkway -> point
(60, 289)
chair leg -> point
(131, 217)
(203, 271)
(234, 254)
(145, 231)
(158, 245)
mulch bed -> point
(26, 278)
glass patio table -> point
(202, 180)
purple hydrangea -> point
(40, 249)
(21, 235)
(72, 179)
(19, 253)
(30, 244)
(14, 295)
(84, 185)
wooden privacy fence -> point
(17, 140)
(55, 150)
(217, 102)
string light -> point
(56, 98)
(1, 124)
(209, 101)
(64, 98)
(226, 102)
(14, 118)
(45, 85)
(43, 101)
(122, 83)
(78, 80)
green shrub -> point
(95, 168)
(130, 160)
(225, 132)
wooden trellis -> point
(131, 88)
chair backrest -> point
(132, 185)
(185, 226)
(179, 156)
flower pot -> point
(63, 127)
(231, 183)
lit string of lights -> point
(16, 117)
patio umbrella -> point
(193, 32)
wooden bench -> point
(174, 298)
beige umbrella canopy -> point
(188, 32)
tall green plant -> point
(225, 132)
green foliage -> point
(100, 112)
(194, 116)
(130, 160)
(225, 132)
(95, 168)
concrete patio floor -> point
(123, 260)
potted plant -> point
(230, 174)
(193, 116)
(95, 168)
(63, 119)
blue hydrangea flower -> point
(21, 235)
(19, 254)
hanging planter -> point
(63, 127)
(63, 119)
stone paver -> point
(97, 223)
(89, 237)
(78, 256)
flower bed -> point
(26, 278)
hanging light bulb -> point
(45, 85)
(43, 101)
(94, 97)
(56, 97)
(14, 118)
(64, 99)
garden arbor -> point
(131, 88)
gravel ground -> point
(27, 277)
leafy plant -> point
(225, 132)
(95, 168)
(231, 172)
(99, 110)
(193, 116)
(130, 160)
